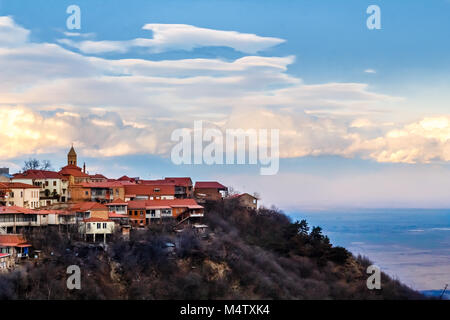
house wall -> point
(59, 186)
(6, 263)
(92, 227)
(248, 201)
(79, 193)
(210, 194)
(26, 198)
(102, 214)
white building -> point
(54, 187)
(19, 194)
(96, 228)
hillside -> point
(246, 255)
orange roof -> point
(12, 240)
(88, 206)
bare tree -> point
(35, 164)
(46, 165)
(31, 164)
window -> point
(99, 225)
(157, 189)
(54, 183)
(142, 213)
(89, 226)
(87, 193)
(104, 225)
(166, 212)
(46, 183)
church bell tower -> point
(72, 157)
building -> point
(118, 206)
(145, 212)
(183, 186)
(19, 194)
(246, 200)
(14, 219)
(86, 210)
(72, 157)
(149, 192)
(6, 262)
(98, 178)
(59, 217)
(15, 246)
(4, 175)
(209, 190)
(102, 191)
(96, 229)
(54, 187)
(76, 176)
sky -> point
(363, 115)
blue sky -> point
(348, 137)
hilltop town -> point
(97, 206)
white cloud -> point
(370, 71)
(168, 37)
(147, 99)
(11, 35)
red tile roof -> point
(142, 189)
(175, 203)
(88, 206)
(102, 185)
(16, 185)
(12, 240)
(180, 181)
(38, 174)
(98, 176)
(97, 220)
(16, 210)
(116, 215)
(209, 185)
(126, 178)
(72, 170)
(116, 201)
